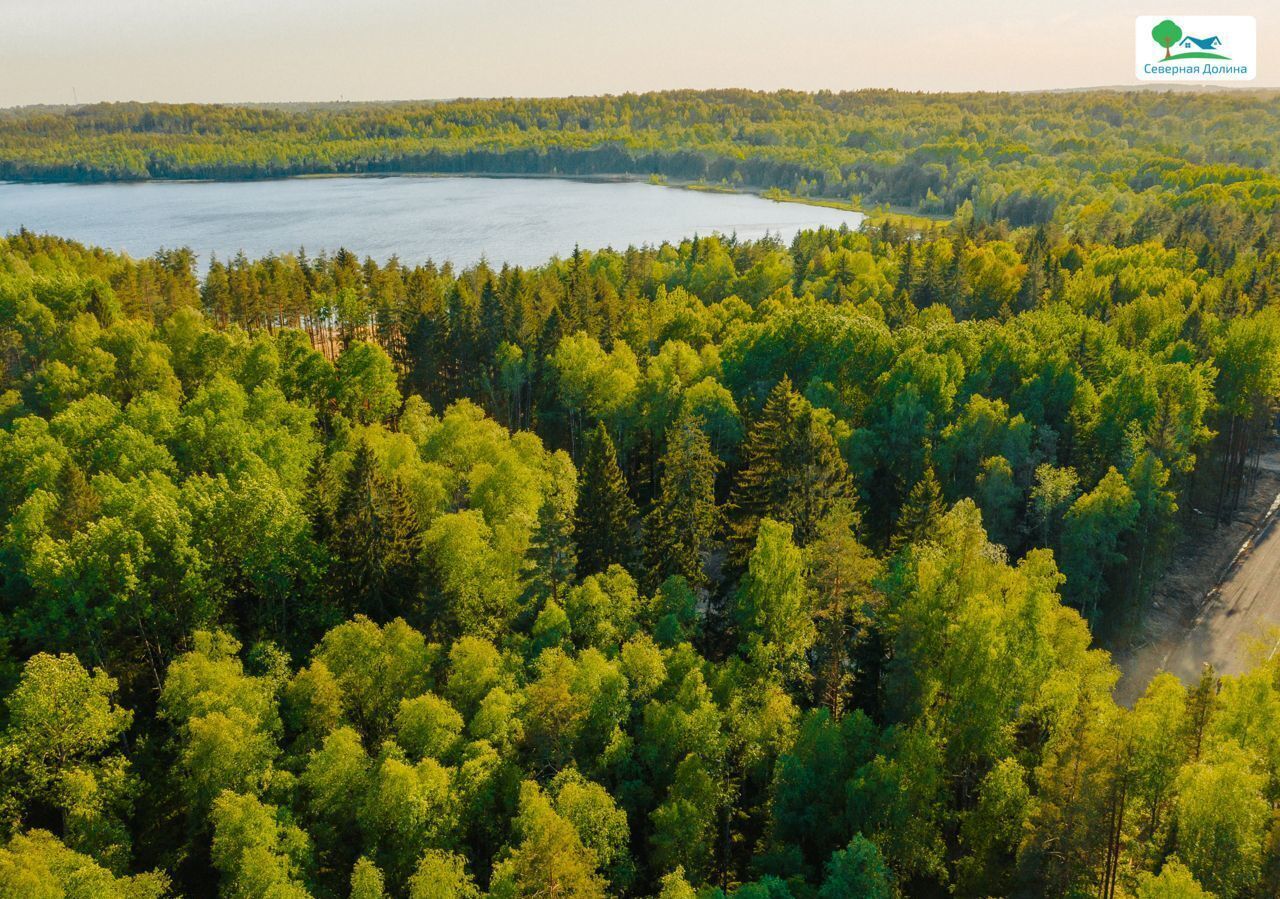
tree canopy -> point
(714, 569)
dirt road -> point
(1235, 624)
(1238, 618)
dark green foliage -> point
(603, 525)
(684, 523)
(224, 515)
(792, 472)
(552, 554)
(375, 539)
(857, 870)
(923, 508)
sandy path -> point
(1236, 623)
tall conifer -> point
(793, 472)
(602, 525)
(924, 506)
(376, 538)
(684, 523)
(552, 556)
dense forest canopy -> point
(1025, 158)
(714, 569)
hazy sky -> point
(54, 51)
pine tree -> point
(682, 526)
(602, 525)
(792, 472)
(924, 506)
(376, 538)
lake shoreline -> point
(459, 218)
(875, 215)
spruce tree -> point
(552, 557)
(376, 538)
(319, 508)
(821, 477)
(906, 269)
(579, 296)
(684, 522)
(761, 487)
(78, 503)
(602, 525)
(554, 328)
(427, 337)
(792, 472)
(924, 506)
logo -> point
(1196, 48)
(1168, 34)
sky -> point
(64, 51)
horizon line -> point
(1137, 86)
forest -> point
(714, 570)
(1090, 157)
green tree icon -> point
(1166, 34)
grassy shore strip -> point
(897, 216)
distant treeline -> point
(1026, 158)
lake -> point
(523, 221)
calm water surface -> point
(519, 220)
